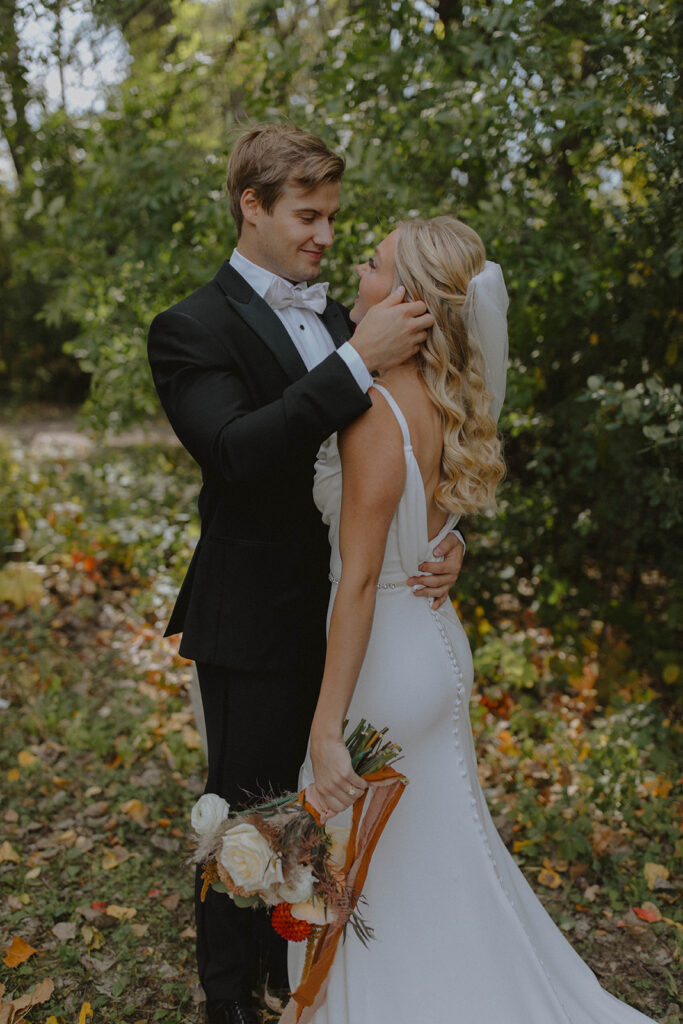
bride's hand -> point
(335, 780)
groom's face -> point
(290, 239)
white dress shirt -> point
(311, 338)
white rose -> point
(299, 886)
(340, 840)
(313, 911)
(249, 860)
(208, 813)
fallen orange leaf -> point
(648, 912)
(135, 809)
(18, 952)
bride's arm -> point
(373, 475)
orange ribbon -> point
(385, 791)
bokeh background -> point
(552, 128)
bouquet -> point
(280, 855)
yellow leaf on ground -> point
(135, 809)
(556, 864)
(93, 938)
(13, 774)
(20, 585)
(120, 913)
(549, 878)
(26, 758)
(18, 952)
(7, 852)
(655, 873)
(112, 858)
(86, 1012)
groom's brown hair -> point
(269, 156)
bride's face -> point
(376, 278)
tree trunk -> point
(14, 77)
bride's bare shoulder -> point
(379, 423)
(373, 459)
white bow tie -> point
(280, 294)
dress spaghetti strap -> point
(394, 406)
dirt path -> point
(48, 431)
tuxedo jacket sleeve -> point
(215, 408)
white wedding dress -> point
(460, 937)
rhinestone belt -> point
(380, 586)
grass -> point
(101, 763)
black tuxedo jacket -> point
(238, 396)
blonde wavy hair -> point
(435, 260)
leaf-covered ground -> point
(101, 762)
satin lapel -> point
(260, 317)
(333, 319)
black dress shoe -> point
(232, 1012)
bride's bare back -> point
(426, 433)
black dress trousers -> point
(257, 728)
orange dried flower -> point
(287, 926)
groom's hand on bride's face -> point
(441, 576)
(391, 332)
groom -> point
(254, 371)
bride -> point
(459, 934)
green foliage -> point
(554, 130)
(499, 661)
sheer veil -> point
(485, 315)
